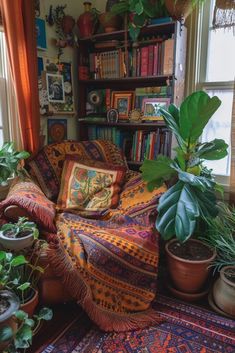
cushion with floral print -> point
(89, 185)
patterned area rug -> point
(187, 329)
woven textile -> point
(46, 167)
(137, 202)
(28, 196)
(186, 329)
(110, 268)
(90, 185)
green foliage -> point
(22, 225)
(192, 198)
(220, 234)
(9, 161)
(141, 11)
(22, 339)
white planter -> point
(16, 243)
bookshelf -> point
(154, 67)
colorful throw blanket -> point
(109, 268)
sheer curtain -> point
(232, 175)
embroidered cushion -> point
(90, 186)
(46, 167)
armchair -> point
(106, 261)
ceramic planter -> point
(179, 9)
(16, 243)
(186, 275)
(6, 319)
(110, 22)
(30, 306)
(224, 292)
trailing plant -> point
(20, 273)
(220, 234)
(10, 162)
(22, 339)
(21, 228)
(192, 197)
(139, 13)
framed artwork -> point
(150, 108)
(123, 102)
(55, 88)
(56, 130)
(41, 34)
(112, 115)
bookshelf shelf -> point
(153, 67)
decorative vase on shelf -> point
(110, 22)
(179, 9)
(85, 21)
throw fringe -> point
(106, 320)
(32, 208)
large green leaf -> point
(195, 112)
(177, 212)
(199, 182)
(172, 125)
(174, 111)
(214, 150)
(156, 171)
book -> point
(168, 56)
(144, 61)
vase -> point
(180, 9)
(85, 21)
(110, 22)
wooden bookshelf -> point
(174, 81)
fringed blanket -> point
(109, 268)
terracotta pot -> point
(109, 22)
(179, 9)
(85, 21)
(30, 306)
(224, 292)
(68, 23)
(188, 276)
(7, 319)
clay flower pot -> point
(68, 23)
(188, 276)
(110, 22)
(30, 305)
(179, 9)
(224, 290)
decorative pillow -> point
(136, 201)
(90, 185)
(46, 167)
(29, 198)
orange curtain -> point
(19, 27)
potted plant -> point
(10, 165)
(192, 196)
(179, 9)
(21, 276)
(138, 13)
(22, 337)
(9, 304)
(19, 235)
(221, 235)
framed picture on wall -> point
(55, 88)
(123, 102)
(41, 34)
(56, 130)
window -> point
(216, 72)
(4, 129)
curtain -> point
(19, 27)
(224, 14)
(232, 175)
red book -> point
(108, 98)
(155, 59)
(138, 62)
(144, 53)
(150, 60)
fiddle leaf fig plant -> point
(193, 194)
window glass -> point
(219, 127)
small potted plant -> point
(221, 235)
(10, 166)
(19, 235)
(21, 338)
(192, 196)
(9, 304)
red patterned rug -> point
(187, 329)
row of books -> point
(150, 144)
(138, 146)
(149, 60)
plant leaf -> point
(23, 338)
(18, 261)
(45, 314)
(214, 150)
(195, 112)
(155, 172)
(177, 212)
(21, 315)
(139, 7)
(2, 255)
(6, 333)
(199, 182)
(24, 286)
